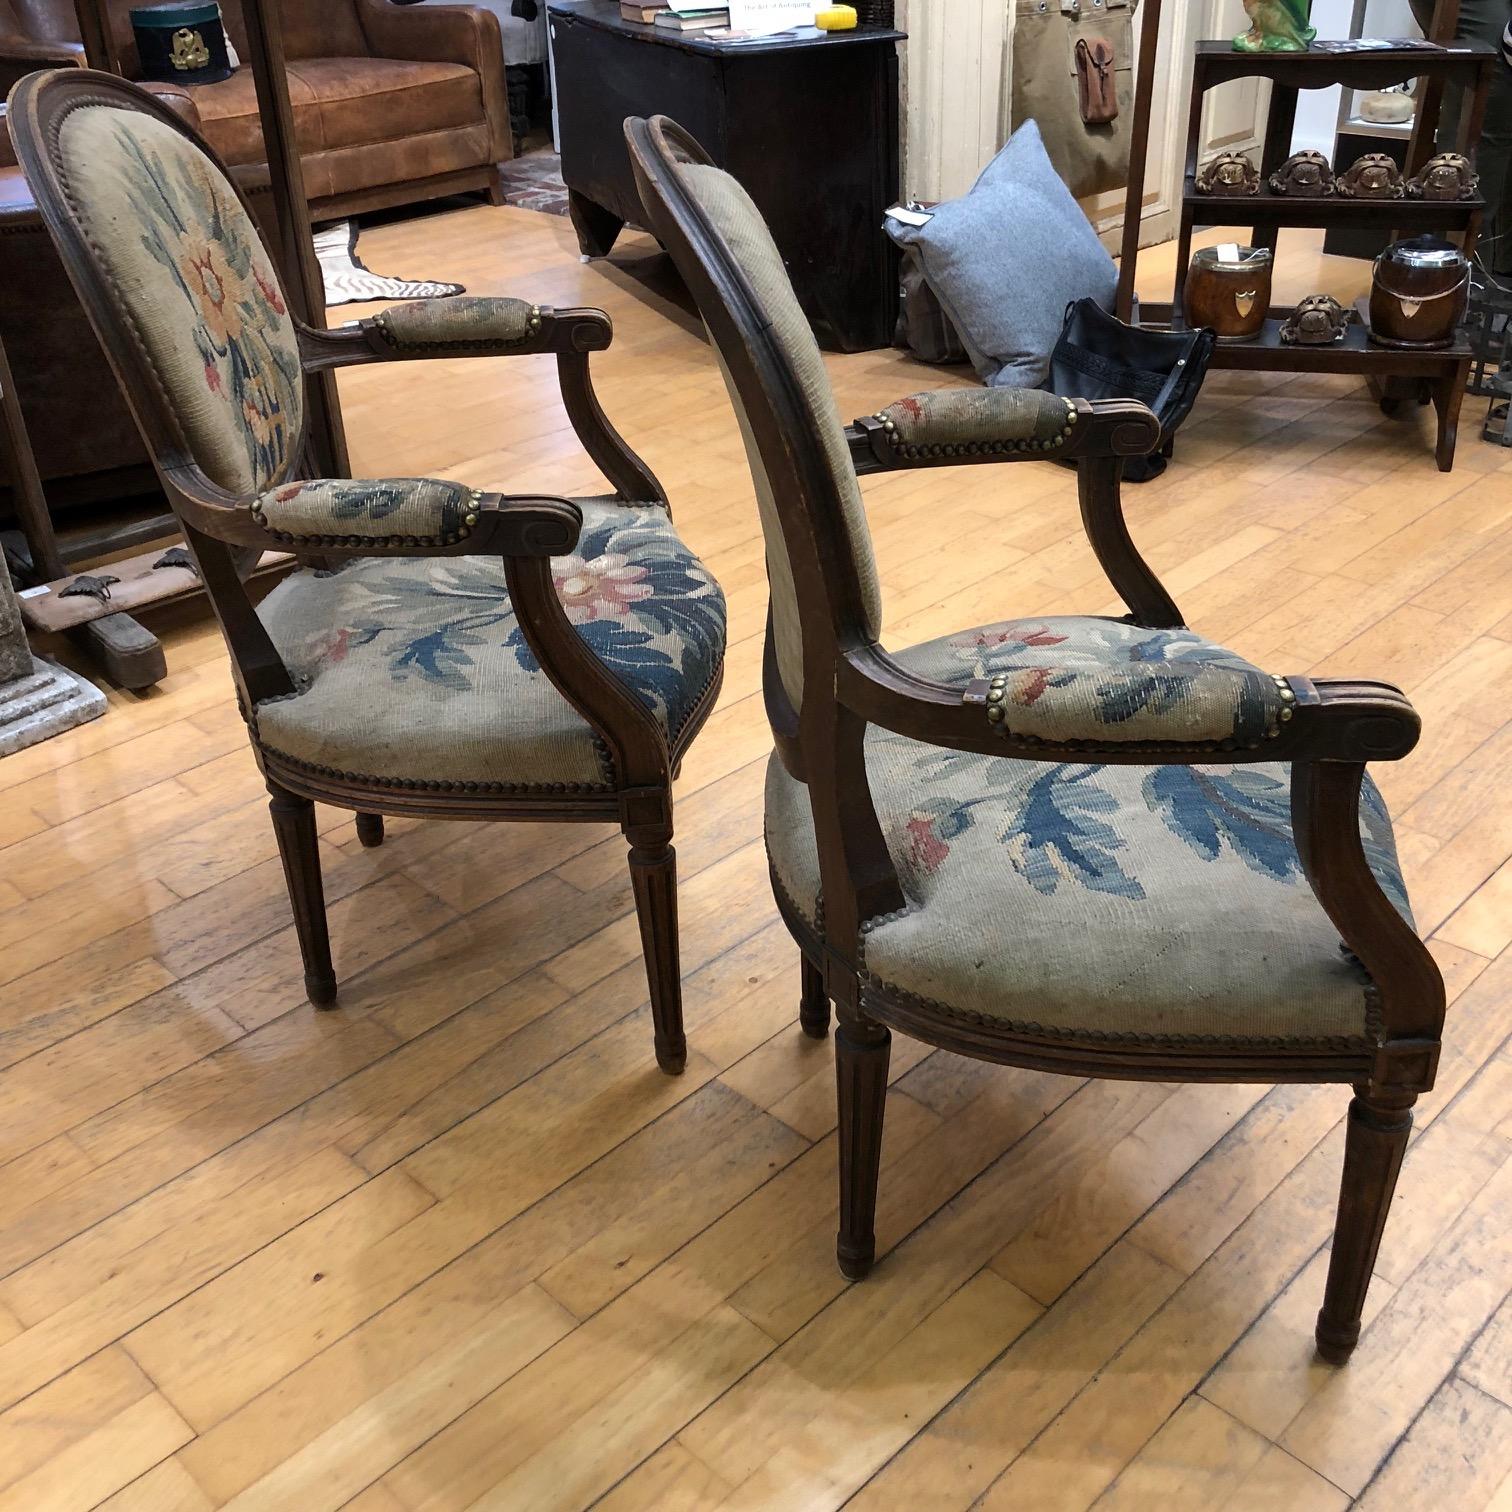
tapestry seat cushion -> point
(414, 669)
(1131, 902)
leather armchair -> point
(35, 34)
(392, 104)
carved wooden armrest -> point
(456, 327)
(1293, 719)
(957, 427)
(397, 517)
(497, 328)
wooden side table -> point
(809, 127)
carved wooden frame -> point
(1334, 728)
(525, 530)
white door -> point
(956, 66)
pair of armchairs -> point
(1100, 846)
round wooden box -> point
(1418, 295)
(1228, 289)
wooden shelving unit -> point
(1445, 370)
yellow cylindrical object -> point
(835, 18)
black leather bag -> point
(1099, 357)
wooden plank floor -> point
(459, 1244)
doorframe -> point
(955, 107)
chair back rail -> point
(811, 545)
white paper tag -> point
(1228, 252)
(910, 217)
(36, 592)
(762, 17)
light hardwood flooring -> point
(459, 1244)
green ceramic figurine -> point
(1276, 26)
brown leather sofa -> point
(392, 103)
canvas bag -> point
(924, 329)
(1092, 157)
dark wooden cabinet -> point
(809, 127)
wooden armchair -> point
(1100, 846)
(466, 655)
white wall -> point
(1318, 109)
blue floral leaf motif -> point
(1121, 698)
(1213, 807)
(438, 657)
(374, 501)
(1061, 835)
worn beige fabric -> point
(739, 222)
(422, 511)
(1102, 683)
(197, 287)
(1007, 419)
(1128, 901)
(471, 322)
(414, 669)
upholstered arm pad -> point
(466, 325)
(977, 421)
(477, 327)
(382, 511)
(1225, 707)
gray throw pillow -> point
(1007, 259)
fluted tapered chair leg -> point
(299, 849)
(862, 1052)
(370, 830)
(653, 876)
(813, 1003)
(1375, 1142)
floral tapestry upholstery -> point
(1131, 902)
(469, 323)
(1105, 682)
(739, 223)
(399, 511)
(197, 287)
(974, 421)
(414, 669)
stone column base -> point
(48, 702)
